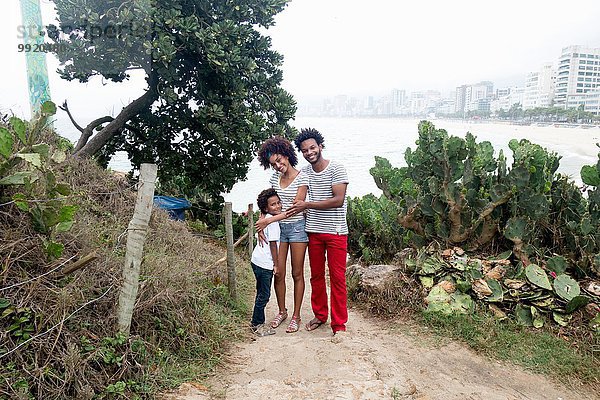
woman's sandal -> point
(279, 318)
(294, 325)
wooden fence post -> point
(136, 237)
(250, 229)
(230, 253)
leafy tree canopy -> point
(213, 82)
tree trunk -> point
(250, 229)
(140, 104)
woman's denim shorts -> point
(293, 232)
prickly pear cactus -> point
(590, 226)
(456, 191)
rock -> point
(406, 388)
(374, 277)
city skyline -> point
(340, 47)
(570, 81)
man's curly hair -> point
(263, 199)
(276, 145)
(309, 133)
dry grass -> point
(395, 299)
(183, 312)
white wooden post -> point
(136, 237)
(250, 229)
(230, 253)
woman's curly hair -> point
(263, 199)
(309, 133)
(276, 145)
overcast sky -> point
(346, 46)
(358, 47)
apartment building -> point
(539, 88)
(474, 97)
(578, 74)
(506, 98)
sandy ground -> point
(375, 360)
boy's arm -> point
(263, 222)
(274, 255)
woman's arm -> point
(274, 254)
(301, 193)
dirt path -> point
(374, 361)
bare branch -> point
(86, 132)
(65, 108)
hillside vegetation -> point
(58, 328)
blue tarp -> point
(174, 205)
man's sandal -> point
(279, 318)
(314, 324)
(294, 325)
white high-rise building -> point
(479, 96)
(475, 97)
(506, 98)
(592, 102)
(578, 73)
(539, 88)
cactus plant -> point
(566, 287)
(455, 191)
(537, 276)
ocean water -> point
(356, 141)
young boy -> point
(264, 261)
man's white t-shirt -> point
(261, 255)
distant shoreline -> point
(556, 124)
(355, 141)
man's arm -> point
(337, 200)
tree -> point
(516, 111)
(502, 114)
(213, 91)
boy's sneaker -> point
(262, 330)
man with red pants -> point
(327, 231)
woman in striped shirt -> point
(291, 185)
